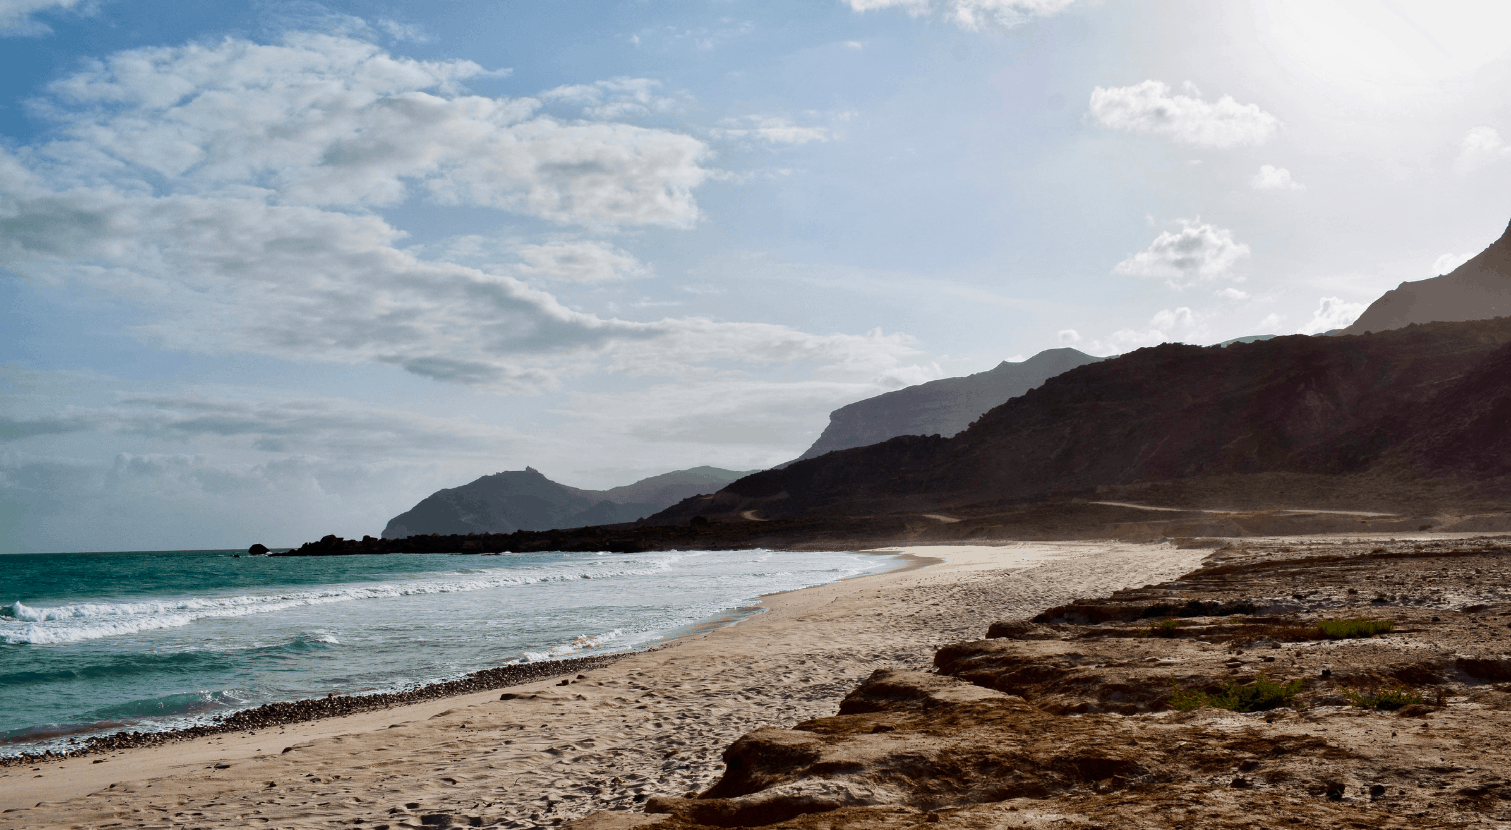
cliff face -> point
(1477, 290)
(526, 500)
(1426, 400)
(941, 407)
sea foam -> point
(77, 622)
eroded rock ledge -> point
(1067, 720)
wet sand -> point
(653, 723)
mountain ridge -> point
(1336, 406)
(526, 500)
(938, 407)
(1480, 289)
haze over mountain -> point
(1389, 409)
(1477, 290)
(527, 500)
(939, 407)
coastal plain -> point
(651, 724)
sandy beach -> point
(654, 723)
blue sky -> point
(274, 270)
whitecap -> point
(78, 622)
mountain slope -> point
(940, 407)
(1426, 400)
(1477, 290)
(526, 500)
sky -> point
(272, 270)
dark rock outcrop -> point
(1477, 290)
(1075, 730)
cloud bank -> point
(231, 190)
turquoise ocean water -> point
(92, 643)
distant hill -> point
(1477, 290)
(939, 407)
(526, 500)
(1395, 408)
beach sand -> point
(653, 723)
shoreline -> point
(303, 710)
(651, 722)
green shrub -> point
(1355, 628)
(1261, 695)
(1164, 628)
(1387, 699)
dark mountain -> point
(1252, 338)
(939, 407)
(1477, 290)
(1392, 408)
(670, 488)
(526, 500)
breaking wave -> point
(22, 624)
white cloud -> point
(225, 275)
(312, 426)
(1332, 313)
(198, 182)
(1233, 294)
(772, 129)
(16, 15)
(910, 374)
(1149, 107)
(1448, 262)
(1168, 325)
(1173, 319)
(1481, 146)
(409, 32)
(910, 6)
(972, 15)
(1271, 177)
(1069, 337)
(615, 98)
(583, 261)
(1270, 323)
(336, 121)
(1198, 251)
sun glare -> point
(1388, 43)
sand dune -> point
(652, 724)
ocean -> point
(93, 643)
